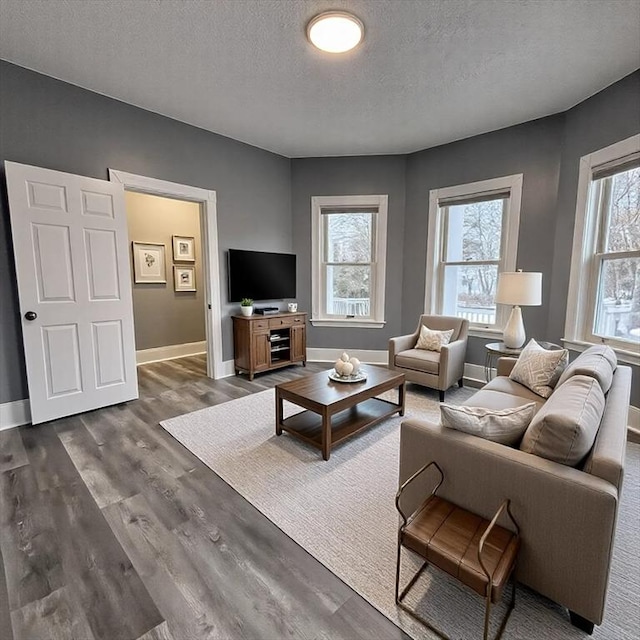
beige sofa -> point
(567, 515)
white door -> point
(71, 252)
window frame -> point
(434, 283)
(586, 255)
(379, 207)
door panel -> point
(52, 250)
(97, 204)
(62, 360)
(102, 264)
(260, 351)
(298, 346)
(51, 197)
(107, 339)
(72, 265)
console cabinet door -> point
(260, 351)
(298, 343)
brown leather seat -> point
(448, 537)
(478, 552)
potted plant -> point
(246, 306)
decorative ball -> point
(347, 368)
(356, 365)
(344, 357)
(338, 366)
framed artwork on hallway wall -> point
(184, 278)
(184, 249)
(149, 263)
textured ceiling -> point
(427, 73)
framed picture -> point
(184, 278)
(184, 249)
(149, 263)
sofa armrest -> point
(505, 365)
(606, 459)
(401, 343)
(452, 362)
(566, 516)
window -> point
(473, 235)
(348, 257)
(604, 291)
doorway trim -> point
(207, 200)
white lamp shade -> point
(519, 288)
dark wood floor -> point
(110, 529)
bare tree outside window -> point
(348, 255)
(617, 259)
(471, 259)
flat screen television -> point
(261, 275)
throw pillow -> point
(539, 369)
(566, 426)
(432, 340)
(505, 426)
(599, 362)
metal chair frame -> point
(407, 519)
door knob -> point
(30, 315)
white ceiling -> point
(427, 73)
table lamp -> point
(518, 289)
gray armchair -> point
(430, 368)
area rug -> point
(342, 512)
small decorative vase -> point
(246, 311)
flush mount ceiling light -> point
(335, 31)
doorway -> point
(180, 279)
(167, 281)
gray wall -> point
(264, 200)
(163, 316)
(55, 125)
(532, 149)
(609, 116)
(350, 176)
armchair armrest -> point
(401, 343)
(452, 357)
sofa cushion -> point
(539, 369)
(419, 359)
(598, 361)
(507, 385)
(433, 340)
(491, 399)
(505, 426)
(565, 428)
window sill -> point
(624, 356)
(344, 322)
(486, 332)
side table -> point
(496, 350)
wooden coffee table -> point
(337, 410)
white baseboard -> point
(14, 414)
(366, 356)
(170, 352)
(228, 368)
(474, 373)
(634, 418)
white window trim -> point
(513, 184)
(580, 283)
(380, 204)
